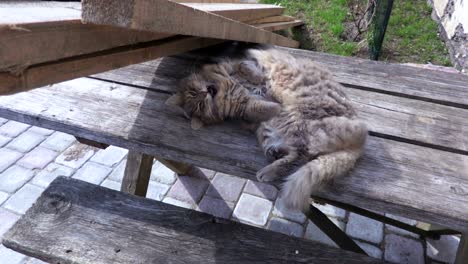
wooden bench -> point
(414, 164)
(78, 222)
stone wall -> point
(452, 16)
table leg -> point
(332, 231)
(462, 252)
(182, 168)
(137, 173)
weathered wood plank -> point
(239, 12)
(426, 123)
(395, 177)
(137, 173)
(53, 72)
(77, 222)
(23, 79)
(47, 32)
(170, 17)
(182, 168)
(419, 122)
(281, 25)
(92, 143)
(272, 19)
(462, 252)
(21, 12)
(402, 80)
(27, 12)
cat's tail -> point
(299, 186)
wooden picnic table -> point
(415, 163)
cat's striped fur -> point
(305, 124)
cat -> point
(303, 120)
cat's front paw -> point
(268, 173)
(276, 152)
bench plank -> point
(395, 177)
(420, 122)
(78, 222)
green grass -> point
(325, 18)
(411, 33)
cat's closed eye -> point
(212, 90)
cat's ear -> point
(175, 100)
(196, 123)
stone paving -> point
(32, 157)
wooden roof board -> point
(45, 31)
(171, 17)
(37, 75)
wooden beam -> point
(69, 68)
(46, 32)
(332, 231)
(170, 17)
(137, 173)
(239, 12)
(92, 143)
(272, 19)
(281, 25)
(182, 168)
(77, 222)
(462, 252)
(49, 73)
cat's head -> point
(212, 96)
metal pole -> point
(381, 10)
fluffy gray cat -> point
(303, 120)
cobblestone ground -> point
(32, 157)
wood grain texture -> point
(272, 19)
(279, 25)
(401, 80)
(399, 178)
(51, 41)
(137, 173)
(239, 12)
(22, 12)
(180, 168)
(92, 143)
(425, 123)
(462, 252)
(47, 32)
(170, 17)
(77, 222)
(66, 69)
